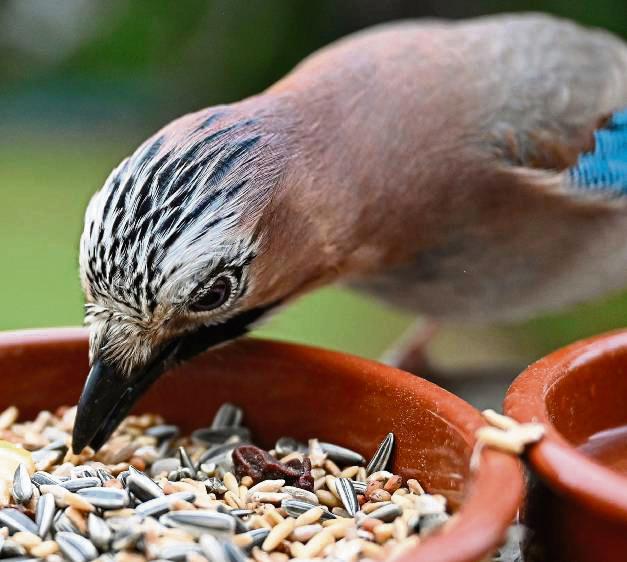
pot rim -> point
(599, 488)
(497, 484)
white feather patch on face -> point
(169, 218)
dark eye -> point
(216, 295)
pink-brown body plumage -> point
(427, 162)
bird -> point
(471, 171)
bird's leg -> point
(410, 353)
(481, 379)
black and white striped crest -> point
(183, 205)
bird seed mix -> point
(152, 494)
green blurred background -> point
(83, 82)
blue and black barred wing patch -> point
(605, 169)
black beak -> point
(108, 396)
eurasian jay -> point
(471, 171)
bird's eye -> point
(216, 295)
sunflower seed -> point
(22, 486)
(208, 468)
(227, 415)
(105, 498)
(16, 521)
(430, 522)
(300, 494)
(342, 455)
(360, 487)
(294, 508)
(217, 454)
(186, 462)
(179, 474)
(63, 523)
(386, 513)
(233, 553)
(123, 522)
(104, 475)
(178, 552)
(169, 464)
(200, 521)
(83, 472)
(98, 531)
(143, 486)
(75, 547)
(381, 458)
(286, 445)
(345, 490)
(212, 549)
(75, 484)
(123, 477)
(11, 549)
(161, 505)
(215, 486)
(241, 512)
(44, 515)
(257, 536)
(163, 432)
(217, 436)
(240, 526)
(45, 458)
(41, 478)
(126, 539)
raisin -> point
(252, 461)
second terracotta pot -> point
(577, 507)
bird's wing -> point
(563, 104)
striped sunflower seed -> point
(99, 532)
(216, 436)
(163, 432)
(105, 498)
(342, 455)
(22, 485)
(186, 462)
(44, 515)
(233, 553)
(200, 521)
(211, 548)
(286, 446)
(228, 415)
(16, 521)
(294, 508)
(142, 485)
(159, 506)
(348, 496)
(381, 458)
(41, 478)
(74, 484)
(386, 513)
(178, 552)
(75, 547)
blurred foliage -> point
(165, 57)
(82, 82)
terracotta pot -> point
(303, 392)
(577, 508)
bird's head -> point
(168, 258)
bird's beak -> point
(108, 395)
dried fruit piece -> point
(259, 465)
